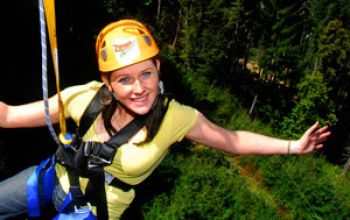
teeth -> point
(140, 99)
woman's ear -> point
(105, 77)
(158, 65)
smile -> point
(140, 99)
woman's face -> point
(136, 86)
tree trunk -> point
(253, 104)
(158, 9)
(178, 28)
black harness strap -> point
(96, 193)
(124, 134)
(91, 112)
(103, 153)
(78, 198)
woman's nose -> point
(138, 87)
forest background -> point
(274, 67)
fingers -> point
(316, 137)
(325, 135)
(313, 138)
(323, 129)
(321, 134)
(312, 129)
(318, 146)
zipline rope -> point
(47, 10)
(44, 71)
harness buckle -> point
(83, 209)
(95, 161)
(88, 148)
(98, 153)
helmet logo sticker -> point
(126, 50)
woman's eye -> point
(146, 74)
(125, 80)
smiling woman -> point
(126, 127)
(135, 87)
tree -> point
(335, 55)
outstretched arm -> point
(245, 142)
(27, 115)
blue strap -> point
(48, 179)
(33, 194)
(67, 201)
(46, 173)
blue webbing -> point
(33, 197)
(33, 194)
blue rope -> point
(44, 71)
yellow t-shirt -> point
(132, 163)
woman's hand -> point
(311, 140)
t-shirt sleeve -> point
(177, 122)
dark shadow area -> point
(78, 23)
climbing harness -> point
(85, 159)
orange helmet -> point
(123, 43)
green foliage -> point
(210, 187)
(226, 110)
(291, 188)
(205, 48)
(335, 54)
(314, 105)
(322, 91)
(309, 187)
(143, 10)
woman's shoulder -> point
(178, 112)
(178, 121)
(175, 105)
(90, 86)
(88, 89)
(77, 98)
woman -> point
(131, 89)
